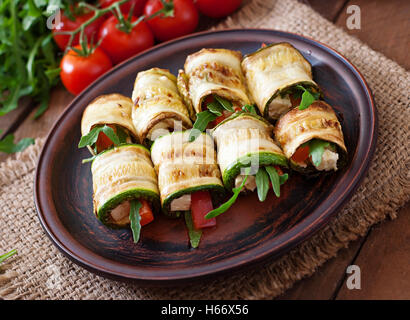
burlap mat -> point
(40, 271)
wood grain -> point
(328, 9)
(323, 284)
(36, 128)
(11, 121)
(385, 27)
(384, 261)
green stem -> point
(7, 255)
(97, 14)
(126, 26)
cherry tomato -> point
(201, 204)
(184, 21)
(278, 170)
(221, 118)
(126, 7)
(120, 45)
(145, 213)
(301, 154)
(217, 8)
(103, 142)
(208, 99)
(295, 101)
(65, 24)
(77, 72)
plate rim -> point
(306, 232)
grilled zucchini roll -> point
(158, 107)
(276, 76)
(312, 139)
(114, 111)
(122, 175)
(209, 73)
(185, 168)
(245, 140)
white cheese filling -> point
(250, 183)
(160, 129)
(120, 214)
(279, 106)
(182, 203)
(329, 161)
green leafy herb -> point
(274, 179)
(194, 234)
(7, 144)
(262, 183)
(226, 104)
(308, 97)
(283, 178)
(7, 255)
(249, 108)
(225, 206)
(90, 159)
(202, 120)
(135, 219)
(215, 108)
(90, 138)
(122, 135)
(316, 149)
(28, 55)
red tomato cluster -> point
(117, 44)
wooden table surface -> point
(383, 254)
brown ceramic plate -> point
(250, 232)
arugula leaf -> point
(27, 53)
(316, 149)
(215, 108)
(307, 97)
(194, 234)
(7, 144)
(274, 178)
(122, 135)
(262, 183)
(225, 206)
(226, 104)
(7, 255)
(135, 219)
(88, 159)
(283, 178)
(249, 108)
(202, 120)
(90, 138)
